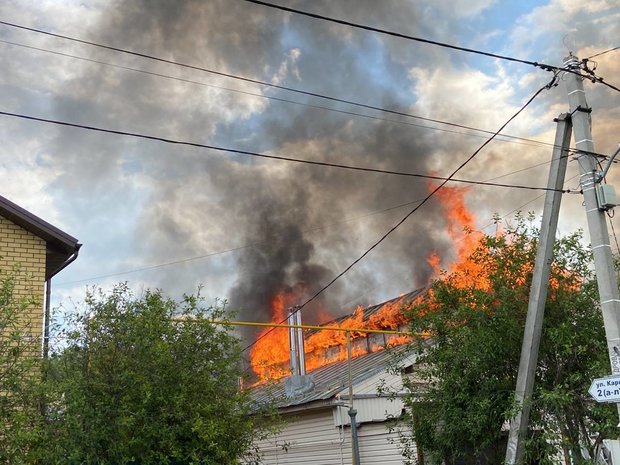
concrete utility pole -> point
(597, 225)
(355, 447)
(538, 292)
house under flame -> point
(316, 403)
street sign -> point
(606, 389)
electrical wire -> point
(543, 66)
(254, 244)
(504, 137)
(253, 81)
(522, 170)
(613, 231)
(234, 249)
(605, 83)
(345, 220)
(536, 64)
(275, 86)
(603, 53)
(267, 156)
(551, 84)
(505, 215)
(591, 75)
(228, 75)
(519, 208)
(431, 194)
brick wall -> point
(22, 249)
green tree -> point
(474, 319)
(147, 381)
(19, 371)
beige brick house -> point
(34, 251)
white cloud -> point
(288, 66)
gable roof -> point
(61, 248)
(368, 312)
(332, 379)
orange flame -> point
(461, 229)
(270, 354)
(273, 347)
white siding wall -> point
(378, 446)
(310, 438)
(372, 409)
(318, 437)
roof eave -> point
(61, 248)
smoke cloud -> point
(292, 218)
(259, 227)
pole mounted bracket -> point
(600, 176)
(583, 109)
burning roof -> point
(331, 380)
(377, 314)
(271, 355)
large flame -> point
(327, 346)
(272, 346)
(462, 232)
(270, 354)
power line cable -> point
(536, 64)
(613, 231)
(605, 83)
(234, 249)
(56, 337)
(390, 278)
(264, 155)
(276, 86)
(432, 193)
(504, 137)
(250, 80)
(544, 66)
(551, 84)
(525, 141)
(593, 77)
(371, 213)
(350, 219)
(316, 228)
(519, 208)
(603, 53)
(254, 244)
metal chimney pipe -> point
(292, 342)
(300, 343)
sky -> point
(241, 228)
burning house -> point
(320, 389)
(318, 380)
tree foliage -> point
(474, 319)
(147, 380)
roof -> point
(329, 380)
(368, 312)
(60, 246)
(333, 378)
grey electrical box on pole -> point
(538, 292)
(595, 213)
